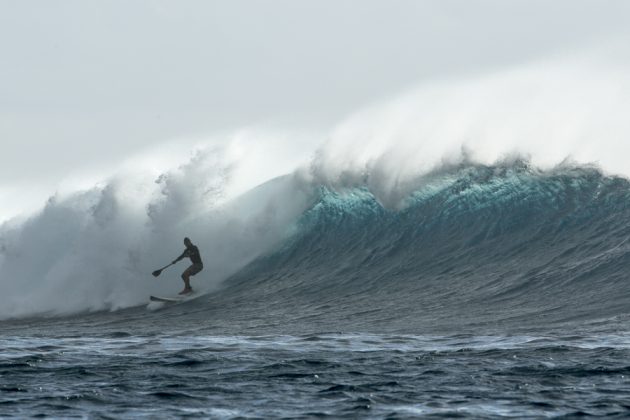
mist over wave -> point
(95, 249)
(546, 112)
(474, 183)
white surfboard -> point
(165, 299)
(176, 299)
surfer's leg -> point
(186, 278)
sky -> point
(86, 84)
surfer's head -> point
(187, 242)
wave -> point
(482, 245)
(471, 245)
(409, 208)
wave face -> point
(477, 246)
(473, 246)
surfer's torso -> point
(193, 253)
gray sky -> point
(85, 83)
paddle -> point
(157, 272)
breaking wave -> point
(483, 245)
(457, 200)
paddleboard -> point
(176, 299)
(165, 299)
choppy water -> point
(492, 292)
(336, 375)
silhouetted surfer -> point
(191, 252)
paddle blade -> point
(156, 273)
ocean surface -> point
(484, 292)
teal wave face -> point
(478, 245)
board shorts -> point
(193, 269)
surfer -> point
(191, 252)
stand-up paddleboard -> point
(176, 299)
(165, 299)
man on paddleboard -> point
(191, 252)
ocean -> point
(482, 291)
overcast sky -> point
(86, 83)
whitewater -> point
(459, 251)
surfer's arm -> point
(181, 257)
